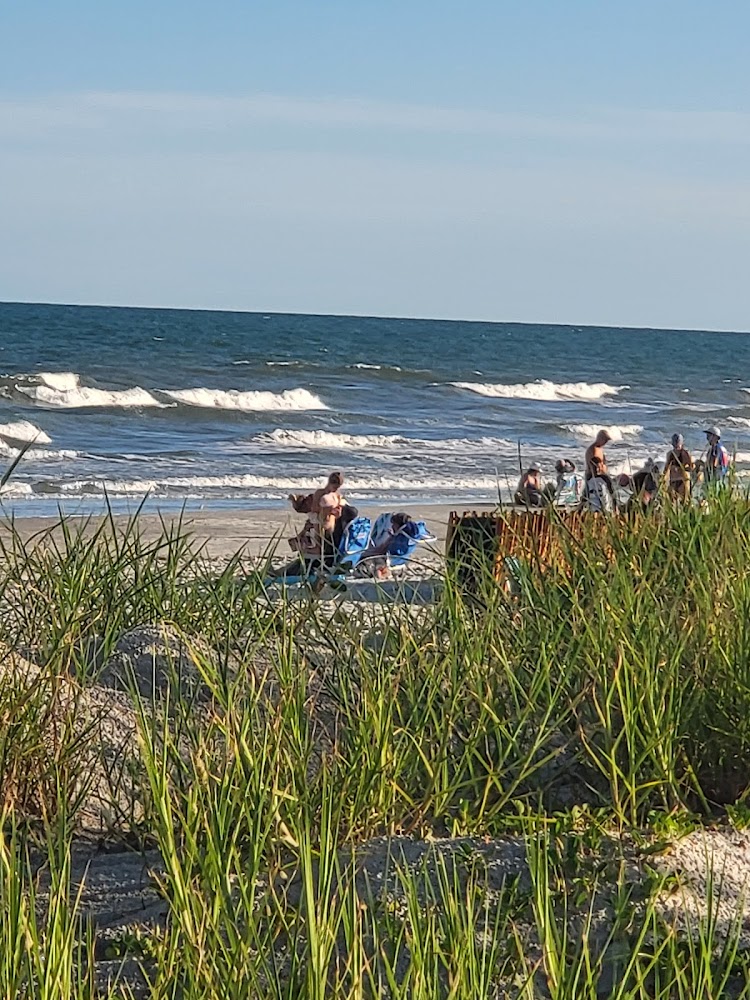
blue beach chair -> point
(354, 540)
(404, 542)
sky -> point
(534, 161)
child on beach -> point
(566, 488)
(716, 466)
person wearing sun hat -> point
(529, 489)
(717, 457)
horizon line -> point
(383, 316)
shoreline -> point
(224, 533)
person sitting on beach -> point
(325, 505)
(395, 542)
(598, 492)
(645, 483)
(566, 487)
(716, 464)
(596, 451)
(678, 468)
(307, 503)
(529, 490)
(348, 513)
(327, 555)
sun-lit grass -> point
(600, 697)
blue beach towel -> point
(404, 542)
(354, 541)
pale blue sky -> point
(582, 162)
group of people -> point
(318, 544)
(596, 490)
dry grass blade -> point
(14, 464)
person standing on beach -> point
(678, 468)
(717, 457)
(596, 451)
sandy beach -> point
(223, 533)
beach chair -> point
(403, 543)
(354, 540)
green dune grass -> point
(601, 706)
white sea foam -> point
(15, 435)
(363, 366)
(328, 440)
(277, 485)
(22, 431)
(15, 489)
(617, 432)
(543, 390)
(739, 421)
(234, 399)
(62, 381)
(82, 397)
(38, 454)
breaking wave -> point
(80, 397)
(15, 489)
(22, 431)
(14, 435)
(543, 390)
(62, 381)
(38, 454)
(63, 390)
(234, 399)
(273, 485)
(617, 432)
(328, 440)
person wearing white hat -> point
(717, 457)
(529, 489)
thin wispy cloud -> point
(97, 110)
(272, 201)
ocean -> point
(232, 410)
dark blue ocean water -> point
(237, 409)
